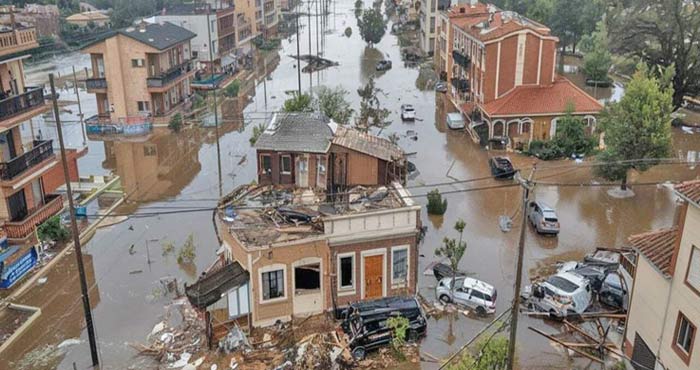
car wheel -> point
(359, 353)
(445, 298)
(481, 311)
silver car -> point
(543, 218)
(472, 293)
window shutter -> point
(694, 269)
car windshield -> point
(550, 216)
(408, 109)
(614, 281)
(562, 284)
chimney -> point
(142, 25)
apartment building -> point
(501, 68)
(28, 166)
(271, 10)
(140, 76)
(306, 256)
(664, 311)
(427, 18)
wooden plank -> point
(584, 354)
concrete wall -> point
(196, 23)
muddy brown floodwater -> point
(171, 181)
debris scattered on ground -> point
(315, 63)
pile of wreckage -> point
(598, 285)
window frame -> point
(346, 289)
(272, 268)
(695, 289)
(282, 170)
(680, 351)
(138, 63)
(401, 281)
(262, 164)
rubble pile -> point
(175, 344)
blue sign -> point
(10, 273)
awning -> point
(227, 60)
(209, 288)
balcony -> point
(103, 125)
(461, 84)
(42, 151)
(96, 84)
(33, 97)
(460, 59)
(17, 40)
(172, 74)
(20, 229)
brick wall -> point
(54, 177)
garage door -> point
(642, 357)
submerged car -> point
(383, 65)
(472, 293)
(562, 294)
(441, 87)
(594, 274)
(613, 291)
(455, 121)
(365, 323)
(408, 113)
(502, 168)
(543, 218)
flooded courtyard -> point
(172, 183)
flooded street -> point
(171, 184)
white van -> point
(472, 293)
(561, 294)
(455, 121)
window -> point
(137, 63)
(286, 164)
(273, 284)
(303, 165)
(321, 165)
(143, 106)
(149, 150)
(684, 337)
(266, 164)
(692, 278)
(345, 271)
(399, 266)
(432, 23)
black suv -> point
(365, 323)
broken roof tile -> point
(690, 190)
(657, 246)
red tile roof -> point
(657, 246)
(531, 100)
(690, 190)
(499, 23)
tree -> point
(661, 33)
(372, 26)
(597, 62)
(488, 354)
(453, 250)
(571, 137)
(332, 103)
(399, 327)
(231, 91)
(175, 123)
(540, 10)
(298, 103)
(371, 112)
(187, 253)
(571, 19)
(436, 205)
(638, 127)
(53, 230)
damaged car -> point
(469, 292)
(365, 323)
(561, 295)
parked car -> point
(543, 218)
(455, 121)
(383, 65)
(613, 291)
(502, 168)
(441, 87)
(472, 293)
(366, 327)
(408, 113)
(562, 294)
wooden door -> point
(374, 276)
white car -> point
(407, 112)
(562, 294)
(455, 121)
(472, 293)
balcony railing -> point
(96, 83)
(30, 99)
(16, 166)
(127, 126)
(19, 229)
(17, 40)
(170, 75)
(460, 59)
(461, 84)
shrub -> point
(53, 230)
(399, 328)
(175, 123)
(232, 89)
(187, 254)
(436, 205)
(257, 131)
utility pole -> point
(80, 108)
(75, 232)
(298, 56)
(264, 61)
(527, 186)
(216, 107)
(317, 51)
(311, 74)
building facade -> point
(141, 76)
(427, 19)
(29, 167)
(501, 69)
(664, 312)
(267, 16)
